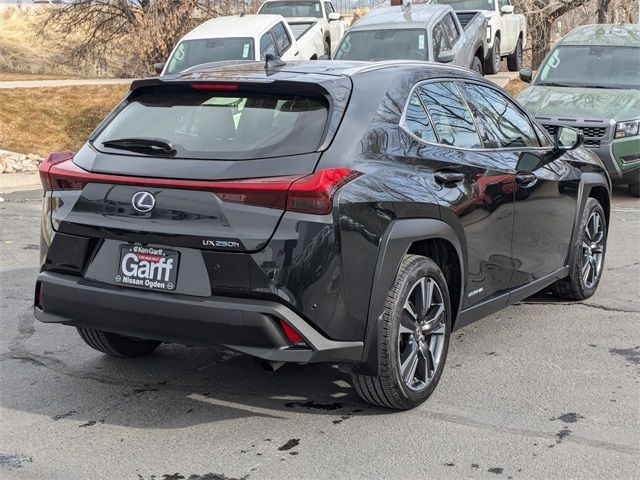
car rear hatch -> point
(198, 164)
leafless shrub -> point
(125, 37)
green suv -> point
(591, 81)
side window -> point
(450, 29)
(328, 6)
(450, 115)
(267, 46)
(282, 37)
(502, 3)
(417, 120)
(503, 124)
(440, 42)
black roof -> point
(306, 71)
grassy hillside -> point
(43, 120)
(22, 55)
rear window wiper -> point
(141, 145)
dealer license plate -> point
(148, 267)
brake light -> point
(307, 194)
(52, 159)
(314, 193)
(219, 87)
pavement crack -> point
(590, 305)
(484, 425)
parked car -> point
(240, 38)
(417, 32)
(591, 82)
(506, 31)
(315, 17)
(317, 212)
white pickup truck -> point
(240, 38)
(316, 18)
(506, 31)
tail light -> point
(52, 159)
(314, 193)
(307, 194)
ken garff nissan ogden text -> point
(317, 212)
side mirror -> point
(507, 9)
(334, 16)
(158, 67)
(526, 74)
(568, 138)
(446, 56)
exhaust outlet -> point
(271, 366)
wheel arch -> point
(418, 236)
(601, 194)
(593, 185)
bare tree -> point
(541, 15)
(603, 10)
(124, 37)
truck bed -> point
(299, 28)
(466, 18)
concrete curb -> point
(19, 181)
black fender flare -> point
(589, 180)
(395, 243)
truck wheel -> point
(116, 345)
(327, 49)
(476, 65)
(586, 267)
(634, 189)
(413, 338)
(492, 64)
(514, 61)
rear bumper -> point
(247, 325)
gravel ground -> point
(542, 389)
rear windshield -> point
(211, 125)
(196, 52)
(385, 44)
(293, 8)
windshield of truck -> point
(469, 4)
(195, 122)
(385, 44)
(591, 67)
(196, 52)
(293, 9)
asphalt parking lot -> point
(542, 389)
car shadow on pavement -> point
(177, 386)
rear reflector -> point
(290, 333)
(307, 194)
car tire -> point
(589, 250)
(634, 189)
(476, 65)
(514, 61)
(492, 64)
(116, 345)
(410, 360)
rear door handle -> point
(448, 179)
(526, 179)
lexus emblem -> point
(143, 202)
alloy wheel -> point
(421, 337)
(592, 250)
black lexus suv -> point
(338, 212)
